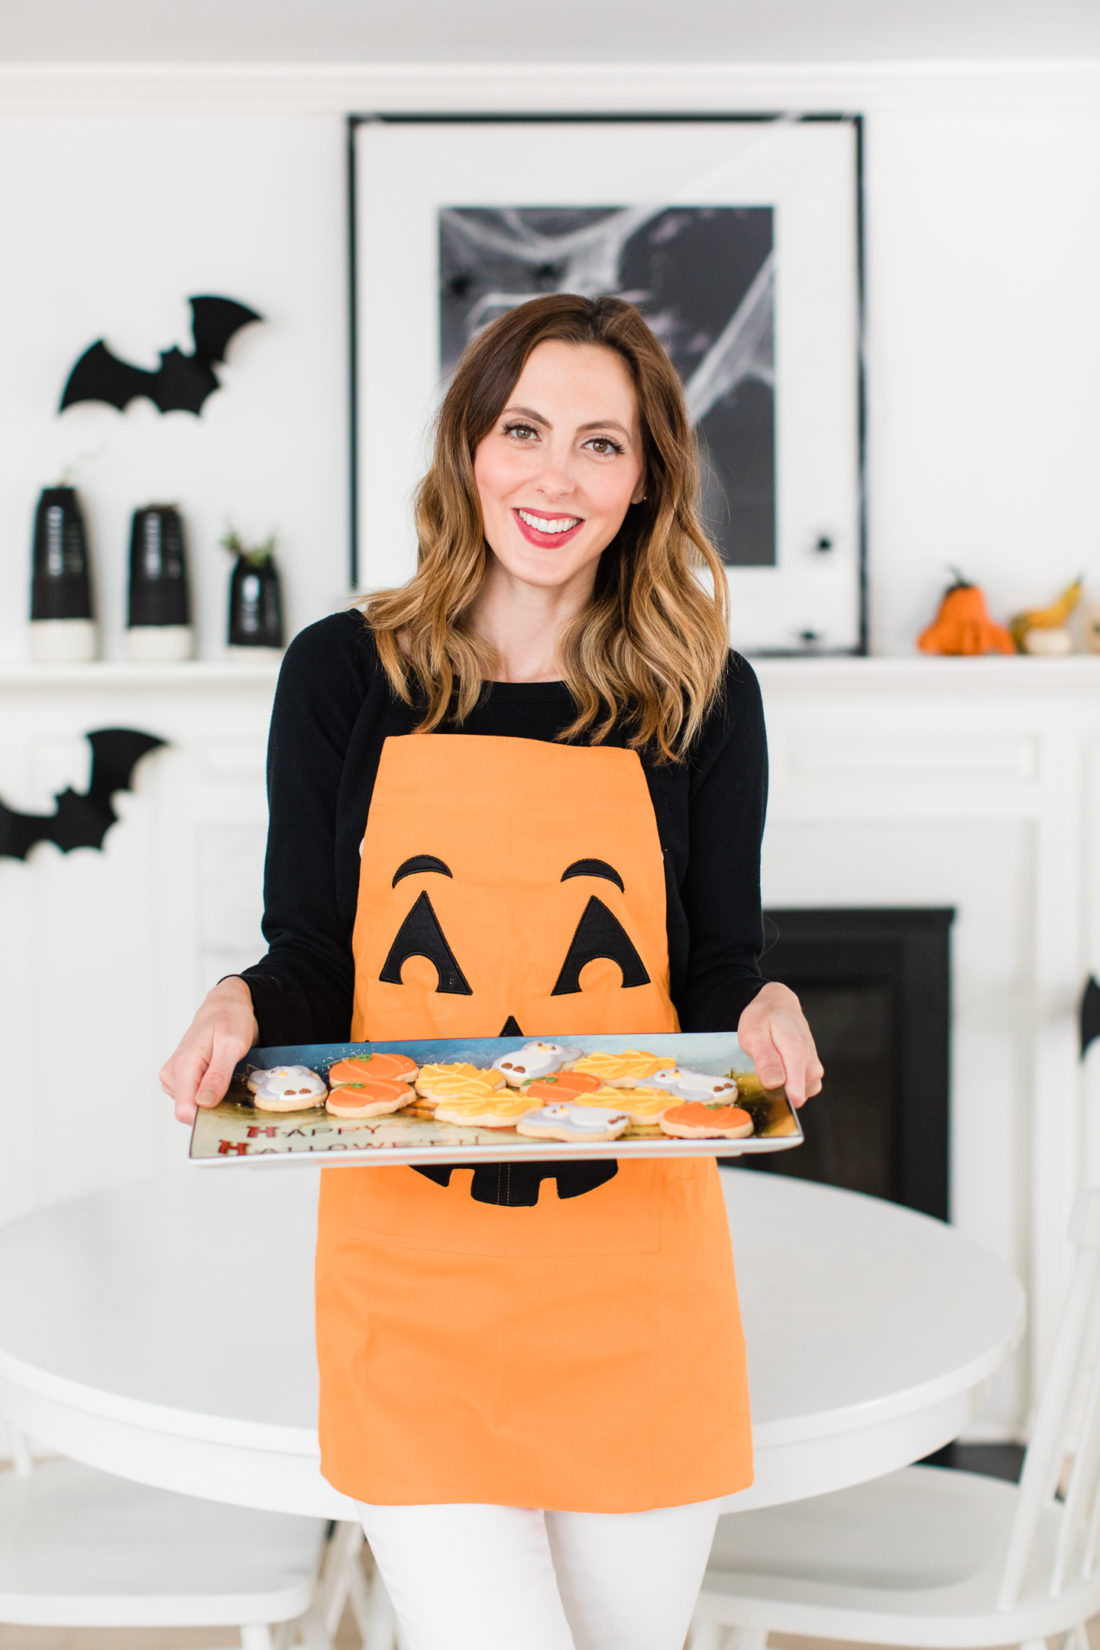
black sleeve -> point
(721, 890)
(302, 989)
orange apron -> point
(585, 1352)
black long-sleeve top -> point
(333, 710)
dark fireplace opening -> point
(875, 987)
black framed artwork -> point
(738, 237)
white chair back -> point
(1067, 1425)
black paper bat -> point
(181, 383)
(1090, 1014)
(81, 819)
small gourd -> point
(963, 625)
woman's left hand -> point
(773, 1031)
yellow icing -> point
(469, 1110)
(640, 1105)
(458, 1081)
(632, 1063)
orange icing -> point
(631, 1064)
(374, 1088)
(563, 1085)
(695, 1115)
(357, 1068)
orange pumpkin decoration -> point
(963, 625)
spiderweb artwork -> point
(703, 276)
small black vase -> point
(255, 605)
(159, 607)
(62, 623)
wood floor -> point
(193, 1638)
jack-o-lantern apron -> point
(583, 1351)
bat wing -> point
(214, 321)
(1090, 1015)
(101, 376)
(19, 832)
(116, 752)
(81, 819)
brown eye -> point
(599, 934)
(421, 936)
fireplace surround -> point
(875, 987)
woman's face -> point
(561, 466)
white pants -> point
(474, 1577)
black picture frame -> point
(811, 598)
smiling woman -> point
(562, 500)
(524, 794)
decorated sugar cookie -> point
(536, 1060)
(562, 1085)
(492, 1111)
(642, 1106)
(624, 1070)
(286, 1088)
(456, 1082)
(373, 1097)
(573, 1122)
(693, 1085)
(357, 1068)
(694, 1121)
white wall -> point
(108, 223)
(983, 258)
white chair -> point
(81, 1548)
(929, 1556)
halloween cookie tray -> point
(706, 1079)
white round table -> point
(164, 1332)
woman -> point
(524, 794)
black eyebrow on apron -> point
(593, 868)
(423, 862)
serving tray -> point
(236, 1131)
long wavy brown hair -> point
(648, 653)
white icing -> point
(692, 1085)
(535, 1060)
(583, 1119)
(285, 1082)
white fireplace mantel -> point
(966, 783)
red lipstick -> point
(547, 541)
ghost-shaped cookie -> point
(287, 1088)
(535, 1060)
(692, 1085)
(573, 1122)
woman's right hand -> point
(222, 1032)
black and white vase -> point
(62, 627)
(255, 608)
(158, 617)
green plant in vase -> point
(255, 595)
